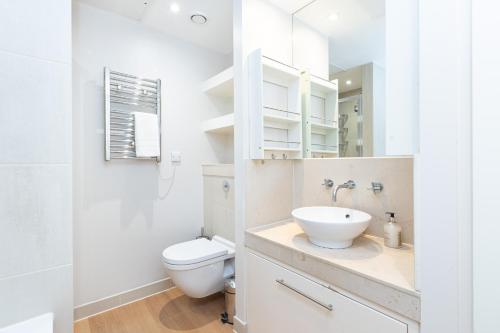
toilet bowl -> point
(199, 267)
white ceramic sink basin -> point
(331, 227)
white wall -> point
(443, 168)
(310, 50)
(125, 213)
(35, 162)
(285, 39)
(270, 29)
(241, 151)
(486, 161)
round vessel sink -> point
(331, 227)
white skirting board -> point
(129, 296)
(239, 326)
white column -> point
(486, 163)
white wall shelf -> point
(221, 84)
(220, 88)
(319, 151)
(282, 119)
(282, 149)
(322, 126)
(220, 125)
(320, 117)
(275, 109)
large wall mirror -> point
(372, 53)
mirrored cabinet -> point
(320, 117)
(293, 114)
(275, 109)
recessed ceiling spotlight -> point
(174, 7)
(199, 18)
(348, 82)
(333, 16)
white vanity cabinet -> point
(280, 300)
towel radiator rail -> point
(125, 94)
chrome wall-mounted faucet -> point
(327, 183)
(350, 184)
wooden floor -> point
(170, 311)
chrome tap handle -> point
(328, 183)
(350, 184)
(376, 187)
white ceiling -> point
(357, 37)
(216, 34)
(290, 6)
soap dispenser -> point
(392, 232)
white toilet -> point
(199, 267)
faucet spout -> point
(348, 185)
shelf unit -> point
(220, 129)
(275, 109)
(220, 125)
(221, 84)
(320, 117)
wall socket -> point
(175, 157)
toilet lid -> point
(193, 252)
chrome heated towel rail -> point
(125, 94)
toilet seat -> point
(196, 253)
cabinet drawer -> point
(280, 300)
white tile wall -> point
(29, 295)
(36, 219)
(36, 272)
(37, 28)
(35, 121)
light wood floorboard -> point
(167, 312)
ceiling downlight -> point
(199, 18)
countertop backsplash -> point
(395, 173)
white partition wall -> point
(36, 240)
(443, 210)
(486, 161)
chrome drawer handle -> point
(329, 307)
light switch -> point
(175, 157)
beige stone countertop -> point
(368, 268)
